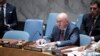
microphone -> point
(38, 32)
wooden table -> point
(79, 50)
(4, 51)
(20, 52)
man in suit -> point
(91, 22)
(8, 17)
(64, 33)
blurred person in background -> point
(91, 21)
(8, 17)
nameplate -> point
(12, 45)
(33, 48)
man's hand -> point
(7, 27)
(52, 44)
(92, 38)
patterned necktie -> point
(92, 25)
(93, 21)
(61, 35)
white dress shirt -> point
(4, 8)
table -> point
(77, 51)
(5, 51)
(20, 52)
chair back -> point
(16, 35)
(35, 28)
(79, 20)
(85, 40)
(50, 23)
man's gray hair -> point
(63, 15)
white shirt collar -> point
(4, 5)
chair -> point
(79, 20)
(50, 23)
(16, 35)
(35, 28)
(84, 40)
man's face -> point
(94, 9)
(61, 23)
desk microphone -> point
(40, 34)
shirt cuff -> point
(58, 43)
(92, 38)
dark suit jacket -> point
(11, 16)
(71, 35)
(86, 26)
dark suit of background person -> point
(91, 25)
(11, 19)
(71, 35)
(86, 26)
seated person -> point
(91, 22)
(64, 33)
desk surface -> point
(19, 52)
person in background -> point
(91, 22)
(64, 33)
(8, 17)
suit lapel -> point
(8, 11)
(58, 34)
(97, 21)
(66, 35)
